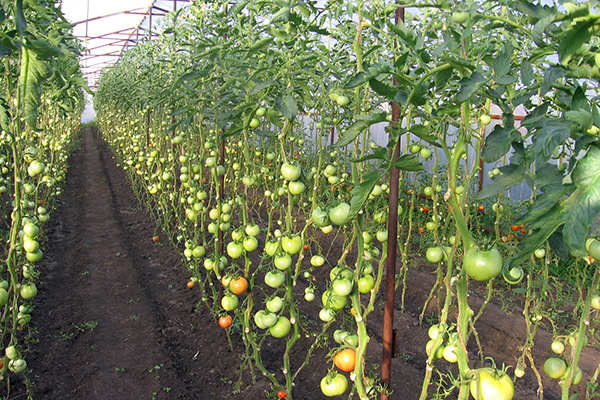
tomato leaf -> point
(259, 87)
(583, 206)
(361, 192)
(469, 86)
(577, 36)
(552, 134)
(499, 141)
(20, 17)
(408, 162)
(511, 175)
(423, 132)
(501, 64)
(527, 74)
(550, 76)
(382, 89)
(287, 106)
(533, 242)
(359, 126)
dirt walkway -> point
(114, 318)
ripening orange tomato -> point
(190, 284)
(345, 360)
(239, 285)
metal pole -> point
(390, 262)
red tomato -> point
(225, 322)
(282, 394)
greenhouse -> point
(300, 199)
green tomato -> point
(460, 16)
(438, 352)
(482, 265)
(555, 367)
(382, 236)
(339, 214)
(291, 244)
(333, 301)
(485, 119)
(271, 247)
(28, 291)
(281, 328)
(235, 250)
(230, 302)
(3, 297)
(596, 302)
(296, 187)
(254, 123)
(557, 347)
(492, 385)
(342, 286)
(317, 260)
(250, 243)
(326, 315)
(290, 172)
(275, 304)
(274, 279)
(539, 253)
(434, 254)
(449, 354)
(334, 384)
(366, 284)
(428, 191)
(351, 339)
(425, 153)
(320, 218)
(283, 261)
(594, 249)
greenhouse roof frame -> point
(109, 28)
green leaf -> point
(498, 142)
(358, 127)
(20, 17)
(583, 206)
(259, 87)
(506, 80)
(32, 75)
(550, 76)
(502, 62)
(527, 75)
(408, 162)
(2, 17)
(42, 48)
(443, 77)
(552, 134)
(287, 106)
(361, 192)
(379, 153)
(261, 44)
(582, 117)
(512, 175)
(282, 15)
(382, 89)
(469, 86)
(4, 116)
(424, 133)
(534, 242)
(371, 72)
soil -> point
(114, 319)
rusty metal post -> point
(390, 262)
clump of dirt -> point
(115, 320)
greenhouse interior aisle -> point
(113, 319)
